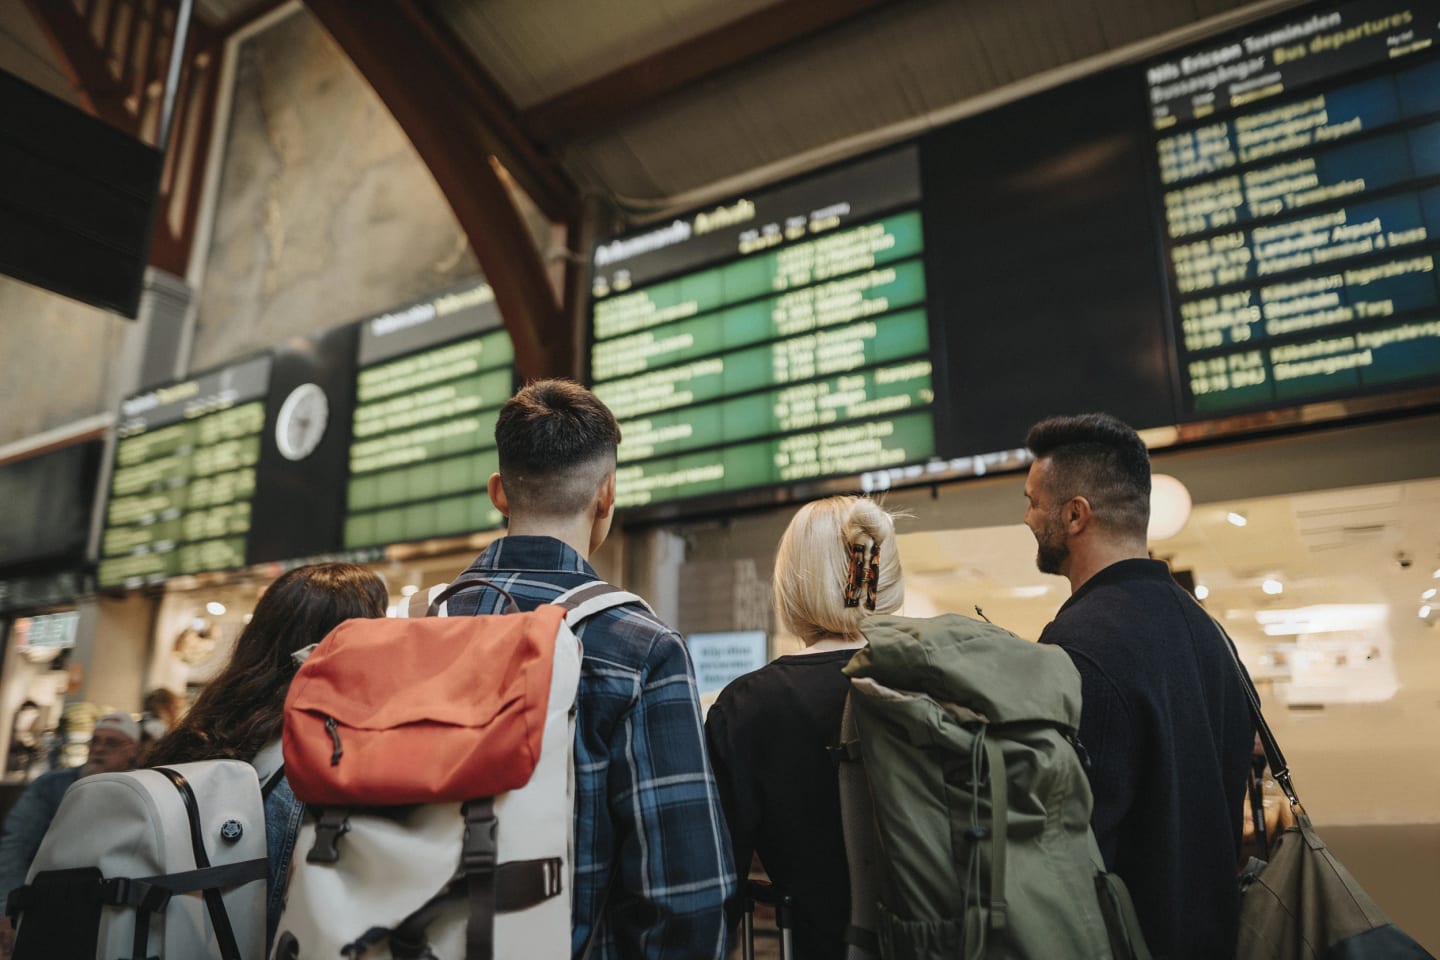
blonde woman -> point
(769, 731)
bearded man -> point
(1164, 717)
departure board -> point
(184, 477)
(769, 340)
(1299, 169)
(432, 377)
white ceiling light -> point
(1201, 591)
(1236, 519)
(1428, 594)
(1425, 612)
(1169, 506)
(1273, 587)
(409, 590)
(215, 608)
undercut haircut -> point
(1100, 458)
(556, 442)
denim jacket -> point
(282, 825)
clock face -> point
(301, 424)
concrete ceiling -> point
(901, 64)
(651, 130)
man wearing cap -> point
(113, 748)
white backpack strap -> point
(597, 596)
(269, 762)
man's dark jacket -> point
(1166, 725)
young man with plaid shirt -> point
(652, 857)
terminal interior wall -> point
(325, 212)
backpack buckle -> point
(331, 825)
(479, 850)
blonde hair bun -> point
(813, 566)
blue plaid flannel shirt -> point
(652, 853)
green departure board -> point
(423, 432)
(184, 477)
(790, 345)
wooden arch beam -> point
(457, 125)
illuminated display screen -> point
(720, 658)
(1299, 165)
(771, 340)
(184, 477)
(432, 379)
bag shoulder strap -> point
(597, 596)
(862, 855)
(581, 603)
(269, 765)
(1273, 755)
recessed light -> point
(1236, 519)
(1428, 594)
(1201, 591)
(1273, 587)
(409, 590)
(1425, 612)
(215, 608)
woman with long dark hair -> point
(241, 711)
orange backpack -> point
(435, 756)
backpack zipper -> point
(331, 728)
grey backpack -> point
(162, 863)
(965, 801)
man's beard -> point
(1051, 548)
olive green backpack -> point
(965, 801)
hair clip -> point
(872, 576)
(857, 576)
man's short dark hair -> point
(1100, 458)
(556, 442)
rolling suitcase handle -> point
(763, 891)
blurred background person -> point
(159, 712)
(769, 731)
(240, 712)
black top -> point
(1168, 731)
(768, 733)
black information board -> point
(46, 502)
(299, 507)
(1299, 172)
(1046, 291)
(432, 377)
(77, 199)
(769, 340)
(184, 476)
